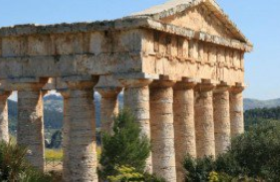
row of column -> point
(179, 118)
(79, 131)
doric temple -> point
(180, 65)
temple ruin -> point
(180, 65)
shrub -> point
(125, 174)
(198, 170)
(126, 147)
(13, 166)
(253, 155)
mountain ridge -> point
(53, 109)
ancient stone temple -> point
(180, 65)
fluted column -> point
(79, 140)
(236, 111)
(4, 123)
(204, 120)
(136, 99)
(30, 132)
(109, 107)
(161, 104)
(184, 126)
(221, 119)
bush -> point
(198, 170)
(13, 166)
(126, 174)
(126, 147)
(252, 156)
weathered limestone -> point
(184, 125)
(236, 111)
(161, 104)
(30, 132)
(221, 119)
(4, 123)
(204, 120)
(136, 99)
(109, 107)
(66, 174)
(165, 44)
(80, 160)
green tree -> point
(126, 147)
(253, 155)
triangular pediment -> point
(200, 18)
(198, 15)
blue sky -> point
(259, 21)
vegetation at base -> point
(13, 166)
(125, 174)
(252, 156)
(125, 152)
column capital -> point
(130, 82)
(108, 92)
(206, 85)
(237, 89)
(26, 85)
(164, 81)
(222, 87)
(79, 82)
(4, 94)
(136, 79)
(186, 83)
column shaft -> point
(236, 112)
(221, 120)
(161, 105)
(204, 121)
(65, 139)
(4, 123)
(80, 160)
(184, 126)
(136, 99)
(109, 108)
(30, 132)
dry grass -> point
(54, 155)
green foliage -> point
(257, 151)
(198, 170)
(126, 147)
(125, 174)
(213, 177)
(252, 156)
(13, 166)
(257, 116)
(56, 140)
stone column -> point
(30, 132)
(4, 123)
(184, 126)
(136, 99)
(109, 107)
(204, 120)
(161, 104)
(79, 140)
(236, 111)
(221, 119)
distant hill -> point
(254, 103)
(53, 110)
